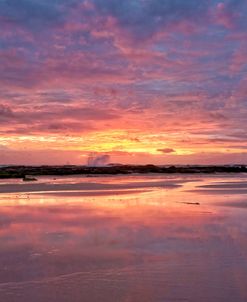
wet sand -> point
(95, 184)
(124, 239)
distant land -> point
(24, 171)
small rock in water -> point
(26, 178)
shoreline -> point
(22, 171)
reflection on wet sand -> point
(164, 243)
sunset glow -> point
(152, 81)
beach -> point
(132, 238)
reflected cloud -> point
(149, 240)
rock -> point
(26, 178)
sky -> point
(134, 81)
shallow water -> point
(153, 238)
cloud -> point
(123, 76)
(54, 118)
(6, 114)
(3, 148)
(87, 113)
(166, 150)
(33, 14)
(5, 111)
(143, 18)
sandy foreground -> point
(124, 239)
